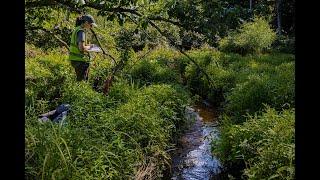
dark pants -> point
(81, 69)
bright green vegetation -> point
(129, 133)
(256, 142)
(264, 143)
(118, 135)
(242, 86)
(252, 37)
(107, 137)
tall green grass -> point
(264, 143)
(242, 86)
(106, 137)
(128, 132)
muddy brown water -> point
(193, 159)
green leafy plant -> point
(265, 143)
(253, 37)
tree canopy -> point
(197, 22)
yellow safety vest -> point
(74, 53)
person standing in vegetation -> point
(79, 55)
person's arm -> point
(83, 47)
(81, 42)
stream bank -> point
(193, 158)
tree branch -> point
(179, 48)
(53, 3)
(49, 32)
(159, 18)
(181, 51)
(104, 52)
(72, 6)
(101, 7)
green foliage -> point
(144, 72)
(248, 97)
(224, 80)
(115, 136)
(122, 90)
(253, 37)
(98, 143)
(256, 80)
(210, 61)
(265, 143)
(271, 85)
(44, 79)
(237, 80)
(284, 44)
(106, 137)
(195, 78)
(203, 21)
(160, 66)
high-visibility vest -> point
(74, 53)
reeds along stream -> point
(193, 158)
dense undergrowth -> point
(255, 91)
(127, 134)
(120, 136)
(258, 147)
(256, 95)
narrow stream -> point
(193, 159)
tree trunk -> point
(278, 4)
(251, 13)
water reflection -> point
(193, 160)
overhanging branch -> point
(178, 47)
(159, 18)
(94, 5)
(49, 32)
(181, 51)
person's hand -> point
(87, 47)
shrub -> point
(283, 81)
(275, 89)
(148, 71)
(248, 97)
(44, 80)
(101, 143)
(223, 80)
(265, 143)
(284, 44)
(121, 90)
(144, 72)
(99, 70)
(106, 137)
(252, 37)
(275, 59)
(85, 102)
(195, 78)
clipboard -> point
(95, 48)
